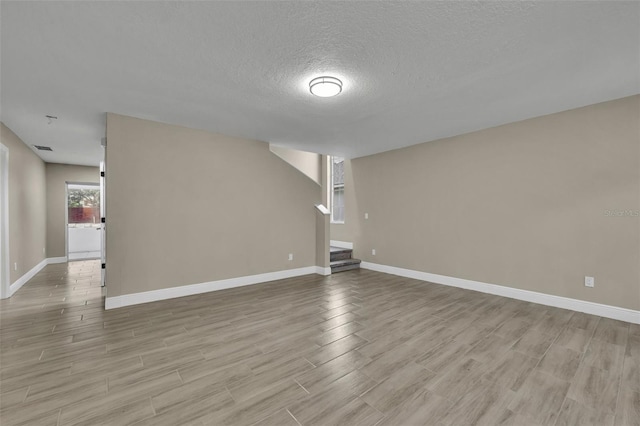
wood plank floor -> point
(355, 348)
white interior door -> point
(103, 227)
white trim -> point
(322, 209)
(26, 277)
(66, 218)
(32, 272)
(607, 311)
(341, 244)
(189, 290)
(320, 270)
(103, 209)
(5, 280)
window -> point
(83, 204)
(337, 194)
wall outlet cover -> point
(589, 281)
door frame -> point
(66, 214)
(5, 277)
(103, 223)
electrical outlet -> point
(366, 215)
(589, 281)
(373, 252)
(15, 266)
(43, 252)
(290, 256)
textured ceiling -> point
(412, 71)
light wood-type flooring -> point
(355, 348)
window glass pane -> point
(338, 171)
(338, 205)
(83, 204)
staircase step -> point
(344, 265)
(337, 253)
(343, 255)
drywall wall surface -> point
(27, 206)
(536, 205)
(186, 206)
(308, 163)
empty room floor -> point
(358, 347)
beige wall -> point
(57, 177)
(187, 206)
(521, 205)
(27, 205)
(306, 162)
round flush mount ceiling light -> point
(325, 87)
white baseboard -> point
(323, 271)
(607, 311)
(26, 277)
(189, 290)
(341, 244)
(33, 271)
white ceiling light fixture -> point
(325, 87)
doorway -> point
(84, 228)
